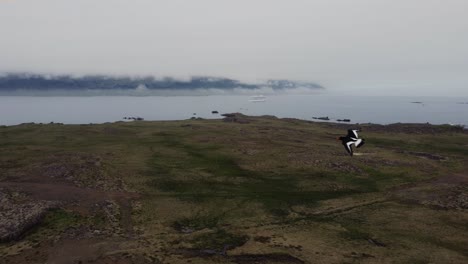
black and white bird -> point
(350, 139)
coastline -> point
(102, 109)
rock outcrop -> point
(17, 216)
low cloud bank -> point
(100, 85)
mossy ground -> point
(208, 185)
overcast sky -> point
(407, 47)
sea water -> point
(360, 109)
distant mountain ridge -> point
(12, 82)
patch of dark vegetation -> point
(262, 239)
(220, 241)
(277, 192)
(277, 195)
(213, 243)
(60, 219)
(55, 222)
(355, 234)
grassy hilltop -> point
(242, 190)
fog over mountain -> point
(360, 47)
(36, 84)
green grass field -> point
(265, 190)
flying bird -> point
(350, 139)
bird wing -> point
(348, 148)
(352, 133)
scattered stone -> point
(17, 217)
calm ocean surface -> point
(360, 109)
